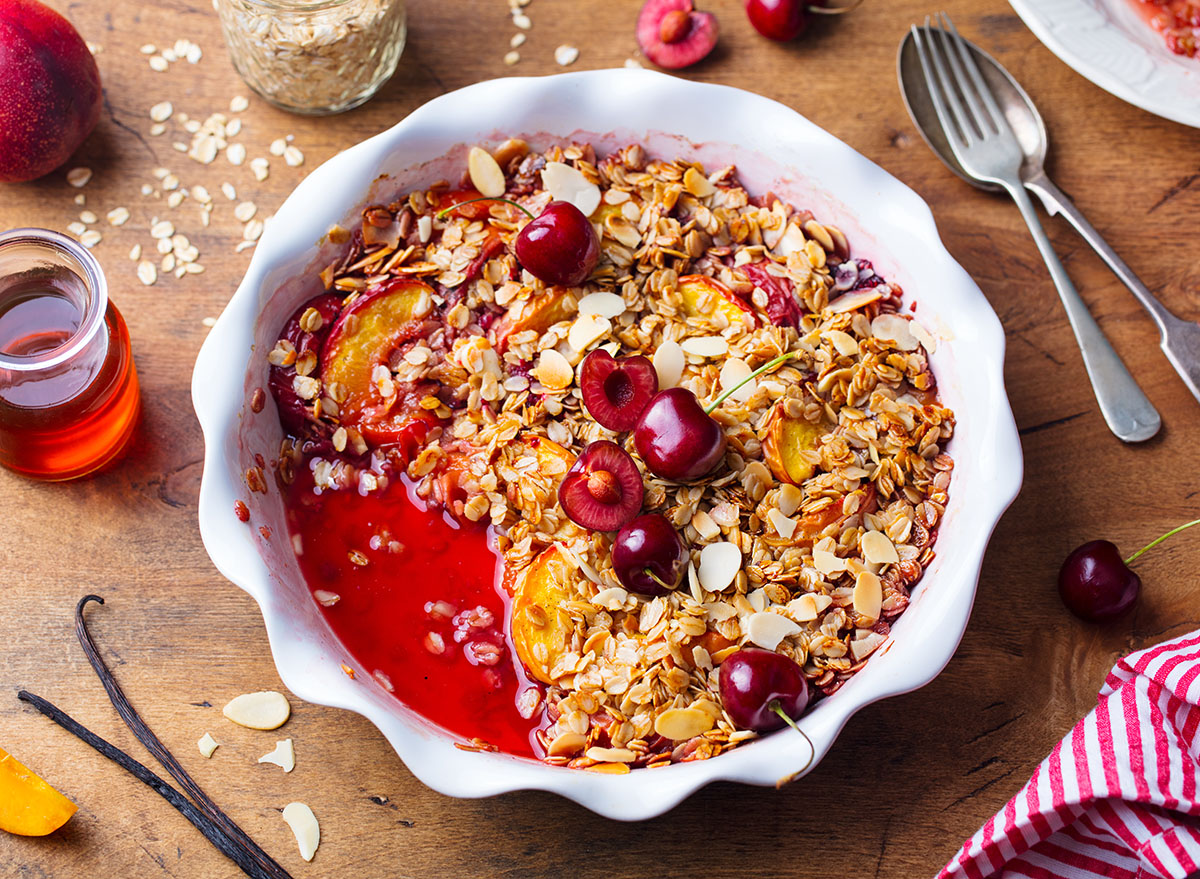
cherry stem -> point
(1155, 543)
(442, 213)
(649, 573)
(812, 749)
(775, 706)
(770, 364)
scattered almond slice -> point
(602, 304)
(894, 328)
(304, 825)
(868, 595)
(612, 598)
(784, 526)
(587, 329)
(284, 756)
(668, 362)
(878, 549)
(565, 183)
(554, 371)
(844, 343)
(705, 346)
(485, 173)
(827, 562)
(681, 724)
(768, 629)
(207, 745)
(263, 710)
(719, 564)
(736, 370)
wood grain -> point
(907, 780)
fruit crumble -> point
(603, 460)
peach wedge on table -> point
(709, 300)
(788, 442)
(541, 629)
(28, 805)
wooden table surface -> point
(907, 780)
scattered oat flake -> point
(146, 272)
(522, 21)
(207, 745)
(135, 252)
(517, 40)
(175, 199)
(118, 216)
(278, 147)
(253, 230)
(261, 168)
(511, 58)
(157, 128)
(633, 64)
(162, 229)
(293, 156)
(78, 177)
(209, 322)
(194, 54)
(76, 228)
(81, 199)
(245, 211)
(158, 63)
(148, 49)
(228, 191)
(238, 103)
(235, 153)
(566, 55)
(88, 217)
(90, 238)
(161, 111)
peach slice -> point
(785, 442)
(365, 336)
(28, 805)
(553, 462)
(538, 313)
(541, 631)
(705, 297)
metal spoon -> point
(1179, 339)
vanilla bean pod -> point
(232, 849)
(269, 867)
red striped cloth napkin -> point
(1118, 797)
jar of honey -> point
(69, 398)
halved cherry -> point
(603, 489)
(617, 391)
(365, 336)
(672, 34)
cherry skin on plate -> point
(752, 679)
(677, 439)
(647, 555)
(559, 245)
(603, 489)
(616, 392)
(1096, 584)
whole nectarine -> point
(50, 96)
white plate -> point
(1107, 42)
(774, 149)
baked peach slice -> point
(28, 805)
(704, 297)
(364, 337)
(786, 441)
(537, 313)
(542, 632)
(553, 462)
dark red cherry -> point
(753, 680)
(1096, 584)
(603, 489)
(778, 19)
(616, 392)
(677, 439)
(647, 555)
(559, 246)
(672, 34)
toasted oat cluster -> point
(806, 539)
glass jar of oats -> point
(314, 57)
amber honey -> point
(69, 398)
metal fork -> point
(986, 147)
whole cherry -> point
(678, 438)
(558, 246)
(762, 690)
(1097, 585)
(648, 557)
(784, 20)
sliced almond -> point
(783, 525)
(207, 745)
(554, 371)
(565, 183)
(790, 498)
(263, 710)
(736, 370)
(857, 299)
(325, 598)
(868, 595)
(705, 346)
(878, 549)
(587, 329)
(894, 328)
(304, 825)
(923, 336)
(668, 362)
(610, 755)
(681, 724)
(844, 343)
(768, 629)
(612, 598)
(719, 565)
(861, 648)
(697, 184)
(566, 743)
(602, 304)
(284, 756)
(827, 562)
(485, 172)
